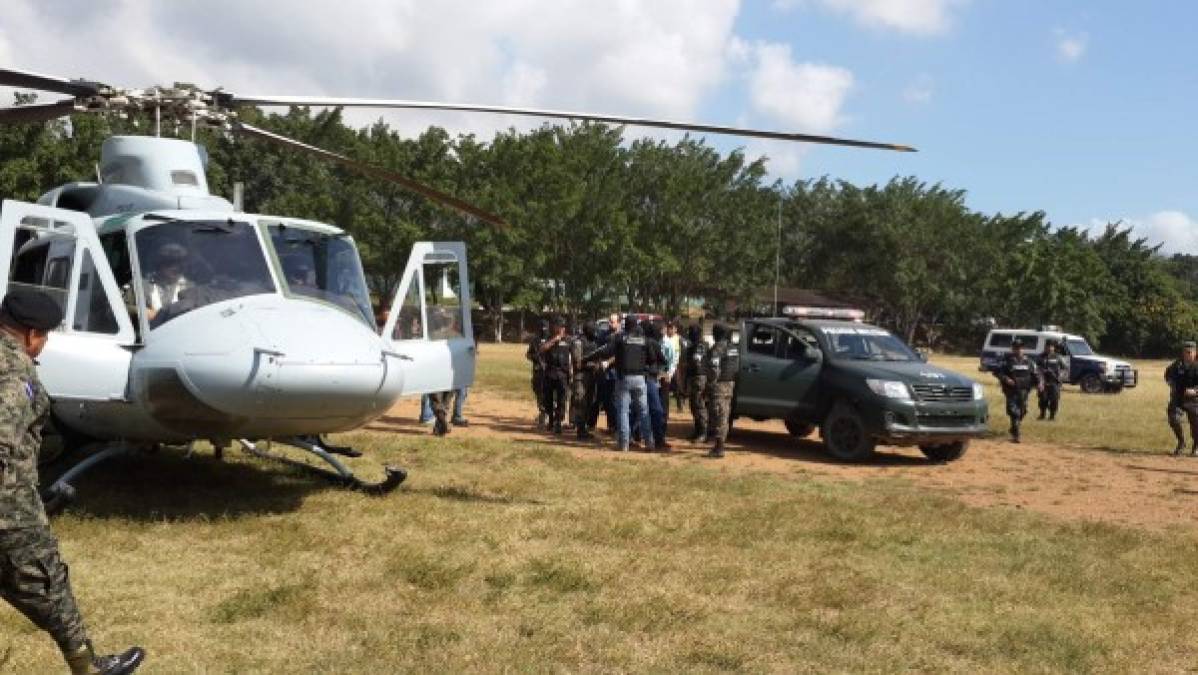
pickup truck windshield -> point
(1078, 347)
(866, 343)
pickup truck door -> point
(778, 371)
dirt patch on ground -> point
(1142, 490)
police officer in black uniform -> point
(1053, 369)
(533, 354)
(1017, 374)
(1182, 377)
(631, 365)
(559, 373)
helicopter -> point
(189, 320)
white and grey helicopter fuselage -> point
(269, 331)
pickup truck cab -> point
(859, 384)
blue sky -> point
(1081, 109)
(1078, 108)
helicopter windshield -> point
(322, 267)
(187, 264)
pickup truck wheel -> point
(799, 429)
(845, 435)
(1091, 383)
(945, 452)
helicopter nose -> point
(289, 360)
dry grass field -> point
(509, 551)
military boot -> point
(440, 428)
(717, 451)
(542, 421)
(84, 661)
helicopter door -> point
(429, 325)
(57, 252)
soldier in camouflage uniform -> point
(723, 362)
(694, 363)
(533, 354)
(586, 379)
(33, 577)
(1053, 370)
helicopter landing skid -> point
(339, 475)
(56, 497)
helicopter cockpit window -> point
(43, 259)
(322, 267)
(189, 264)
(442, 293)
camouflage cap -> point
(1189, 344)
(29, 308)
(1017, 342)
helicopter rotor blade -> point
(23, 79)
(236, 100)
(40, 112)
(371, 170)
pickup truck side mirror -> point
(923, 355)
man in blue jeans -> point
(631, 364)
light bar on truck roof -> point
(842, 313)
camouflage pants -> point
(582, 399)
(35, 580)
(695, 390)
(1176, 411)
(719, 410)
(1049, 399)
(440, 403)
(1016, 407)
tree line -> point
(598, 221)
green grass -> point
(505, 556)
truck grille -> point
(943, 421)
(941, 392)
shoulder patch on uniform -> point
(30, 392)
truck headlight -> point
(890, 389)
(979, 392)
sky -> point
(1079, 108)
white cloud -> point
(916, 17)
(662, 58)
(1071, 47)
(801, 97)
(1176, 231)
(807, 96)
(920, 90)
(657, 59)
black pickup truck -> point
(859, 384)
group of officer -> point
(628, 371)
(1019, 374)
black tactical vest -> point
(696, 355)
(559, 357)
(631, 355)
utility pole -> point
(778, 254)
